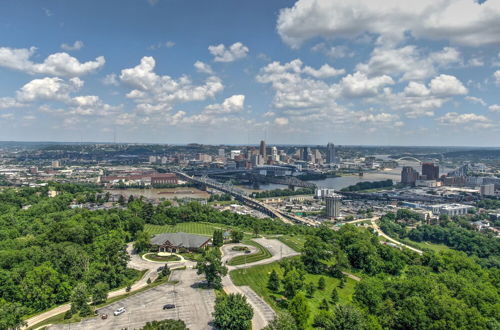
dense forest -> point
(283, 192)
(369, 185)
(450, 233)
(47, 249)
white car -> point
(119, 311)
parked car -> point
(119, 311)
(168, 306)
(104, 316)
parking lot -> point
(193, 305)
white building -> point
(449, 209)
(321, 193)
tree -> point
(347, 317)
(292, 283)
(315, 254)
(299, 309)
(11, 315)
(232, 312)
(142, 242)
(256, 229)
(273, 283)
(80, 299)
(236, 236)
(165, 271)
(148, 281)
(100, 293)
(121, 200)
(165, 325)
(321, 283)
(282, 321)
(342, 282)
(310, 289)
(324, 305)
(211, 265)
(334, 298)
(218, 238)
(128, 288)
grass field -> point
(257, 277)
(294, 242)
(426, 245)
(262, 253)
(200, 228)
(156, 257)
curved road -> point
(381, 233)
(263, 313)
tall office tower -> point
(262, 149)
(306, 153)
(409, 175)
(430, 170)
(332, 205)
(274, 154)
(331, 157)
(222, 152)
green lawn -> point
(294, 242)
(262, 253)
(200, 228)
(426, 245)
(156, 257)
(257, 277)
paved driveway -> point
(263, 313)
(193, 305)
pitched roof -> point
(180, 239)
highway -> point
(253, 203)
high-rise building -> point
(430, 171)
(332, 205)
(222, 152)
(331, 157)
(262, 149)
(306, 154)
(487, 189)
(274, 154)
(409, 175)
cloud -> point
(359, 85)
(230, 54)
(494, 108)
(111, 80)
(408, 62)
(233, 104)
(496, 75)
(9, 102)
(462, 22)
(49, 88)
(453, 118)
(446, 85)
(325, 71)
(166, 44)
(77, 45)
(153, 92)
(333, 51)
(281, 121)
(476, 100)
(203, 67)
(58, 64)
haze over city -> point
(307, 72)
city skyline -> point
(181, 72)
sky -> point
(392, 72)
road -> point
(263, 313)
(381, 233)
(135, 262)
(193, 305)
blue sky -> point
(305, 72)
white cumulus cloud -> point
(77, 45)
(232, 53)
